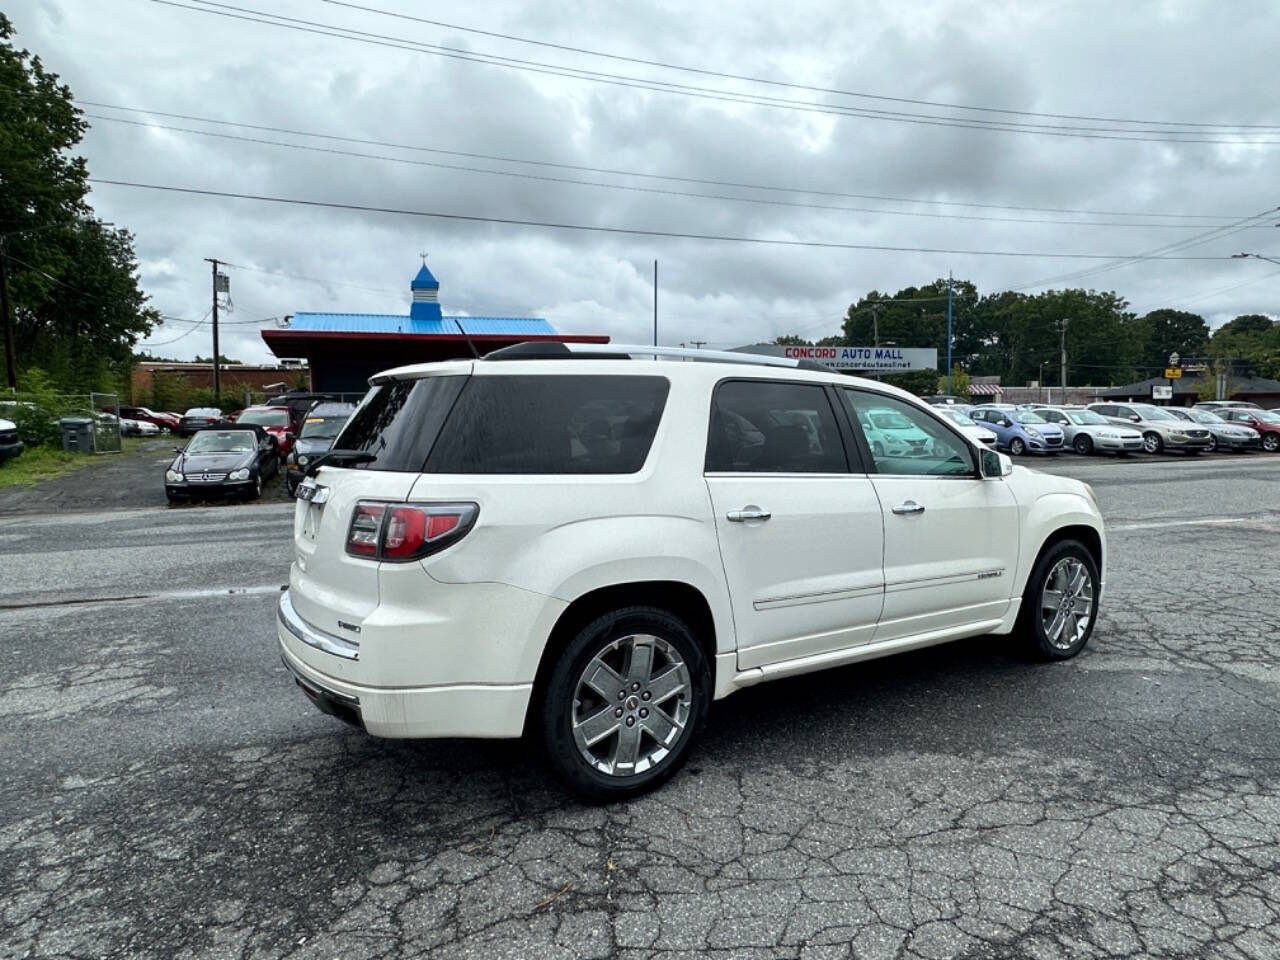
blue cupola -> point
(426, 297)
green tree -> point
(1248, 344)
(73, 283)
(959, 382)
(1173, 331)
(1017, 336)
(791, 340)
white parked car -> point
(591, 550)
(969, 427)
(1088, 432)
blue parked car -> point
(1019, 431)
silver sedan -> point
(1088, 432)
(1222, 435)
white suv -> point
(590, 546)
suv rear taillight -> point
(400, 532)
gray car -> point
(1161, 430)
(1089, 432)
(1235, 437)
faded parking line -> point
(265, 588)
(1214, 521)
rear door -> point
(800, 527)
(951, 538)
(397, 423)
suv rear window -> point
(551, 425)
(397, 422)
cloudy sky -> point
(1178, 70)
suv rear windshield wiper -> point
(339, 457)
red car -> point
(165, 421)
(1265, 422)
(276, 421)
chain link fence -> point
(92, 418)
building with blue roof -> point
(344, 350)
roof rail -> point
(629, 351)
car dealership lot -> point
(165, 791)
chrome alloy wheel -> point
(1151, 443)
(1066, 603)
(631, 705)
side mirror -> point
(1134, 418)
(1006, 422)
(179, 449)
(995, 465)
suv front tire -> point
(1060, 602)
(624, 702)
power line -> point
(630, 231)
(637, 189)
(1157, 253)
(331, 30)
(788, 84)
(775, 188)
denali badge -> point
(988, 574)
(348, 626)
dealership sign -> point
(873, 359)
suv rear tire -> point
(1063, 590)
(624, 703)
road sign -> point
(1172, 373)
(876, 359)
(1161, 393)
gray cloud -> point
(1185, 60)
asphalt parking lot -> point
(165, 791)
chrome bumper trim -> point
(327, 642)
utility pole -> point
(217, 377)
(655, 303)
(875, 324)
(1063, 346)
(948, 332)
(10, 360)
(697, 344)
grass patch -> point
(38, 464)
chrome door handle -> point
(909, 507)
(748, 513)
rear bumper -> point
(10, 450)
(491, 711)
(461, 664)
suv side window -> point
(1123, 412)
(905, 440)
(551, 424)
(769, 426)
(1052, 416)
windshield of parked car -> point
(265, 418)
(222, 441)
(1204, 416)
(1264, 416)
(203, 412)
(888, 420)
(1085, 418)
(322, 428)
(1148, 412)
(1026, 416)
(957, 417)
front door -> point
(951, 537)
(801, 534)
